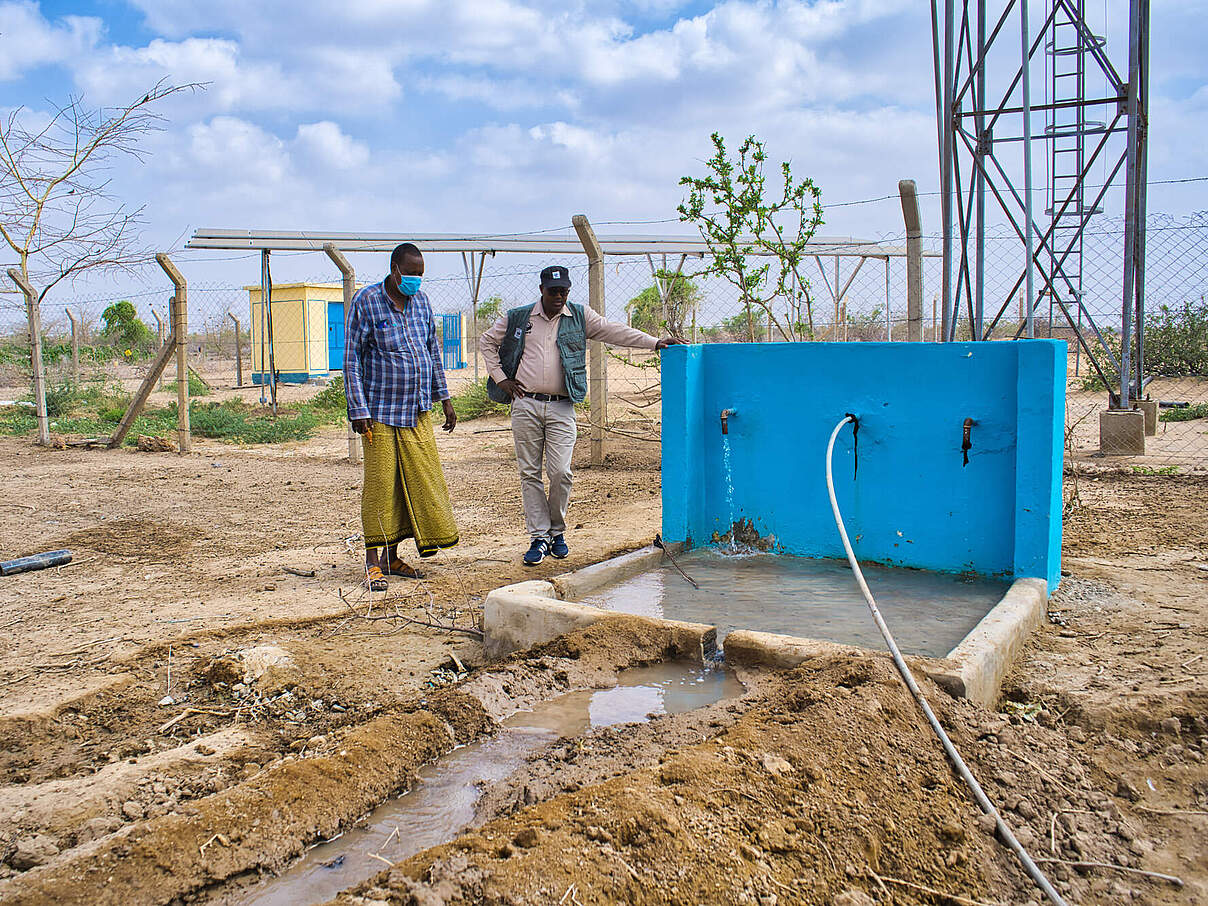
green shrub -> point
(473, 402)
(332, 396)
(490, 310)
(1186, 414)
(646, 308)
(123, 327)
(61, 398)
(1176, 340)
(240, 424)
(1176, 344)
(1090, 377)
(197, 386)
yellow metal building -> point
(307, 331)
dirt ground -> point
(180, 712)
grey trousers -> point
(544, 432)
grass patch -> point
(197, 386)
(1153, 472)
(94, 411)
(17, 420)
(237, 422)
(1186, 414)
(473, 403)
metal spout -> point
(725, 420)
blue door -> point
(450, 329)
(335, 336)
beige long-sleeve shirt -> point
(540, 369)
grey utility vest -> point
(572, 349)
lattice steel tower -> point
(983, 79)
(1067, 129)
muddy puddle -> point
(443, 803)
(928, 612)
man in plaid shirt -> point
(392, 378)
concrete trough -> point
(525, 614)
(517, 617)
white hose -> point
(987, 806)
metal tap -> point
(725, 419)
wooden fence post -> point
(34, 315)
(75, 346)
(158, 364)
(597, 374)
(914, 260)
(349, 283)
(159, 331)
(180, 329)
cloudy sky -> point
(504, 115)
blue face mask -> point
(409, 286)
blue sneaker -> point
(536, 552)
(558, 548)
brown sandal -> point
(374, 579)
(398, 568)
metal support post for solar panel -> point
(179, 313)
(238, 353)
(474, 281)
(348, 278)
(838, 297)
(268, 367)
(34, 316)
(597, 376)
(1024, 35)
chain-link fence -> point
(858, 295)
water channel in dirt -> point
(436, 809)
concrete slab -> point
(1122, 432)
(748, 648)
(985, 655)
(517, 617)
(520, 616)
(582, 582)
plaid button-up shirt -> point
(392, 367)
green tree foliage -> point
(123, 327)
(740, 216)
(656, 311)
(490, 310)
(1176, 340)
(737, 327)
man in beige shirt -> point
(536, 358)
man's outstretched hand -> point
(670, 341)
(450, 415)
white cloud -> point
(521, 112)
(28, 39)
(234, 151)
(327, 144)
(238, 82)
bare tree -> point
(57, 213)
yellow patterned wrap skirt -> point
(404, 494)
